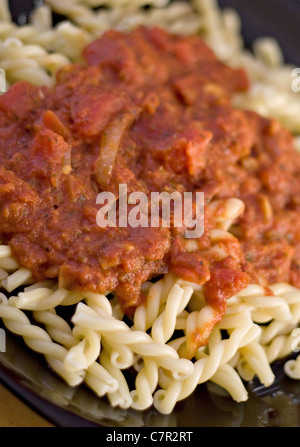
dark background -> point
(276, 18)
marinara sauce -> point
(153, 111)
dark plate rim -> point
(277, 18)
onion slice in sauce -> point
(110, 141)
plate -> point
(27, 375)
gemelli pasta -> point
(158, 343)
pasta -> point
(39, 340)
(99, 344)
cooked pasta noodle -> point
(121, 356)
(206, 366)
(56, 326)
(140, 342)
(164, 326)
(230, 210)
(292, 368)
(85, 352)
(121, 396)
(16, 279)
(145, 384)
(38, 340)
(99, 379)
(228, 379)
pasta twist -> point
(164, 326)
(16, 279)
(38, 339)
(280, 347)
(121, 356)
(226, 211)
(140, 342)
(83, 349)
(85, 352)
(145, 383)
(147, 312)
(99, 379)
(120, 397)
(29, 63)
(126, 14)
(282, 313)
(222, 30)
(292, 368)
(6, 261)
(228, 378)
(264, 308)
(254, 361)
(44, 298)
(57, 327)
(206, 366)
(116, 357)
(52, 47)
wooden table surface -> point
(15, 413)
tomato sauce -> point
(153, 111)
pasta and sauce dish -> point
(167, 100)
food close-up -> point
(149, 214)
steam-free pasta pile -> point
(99, 345)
